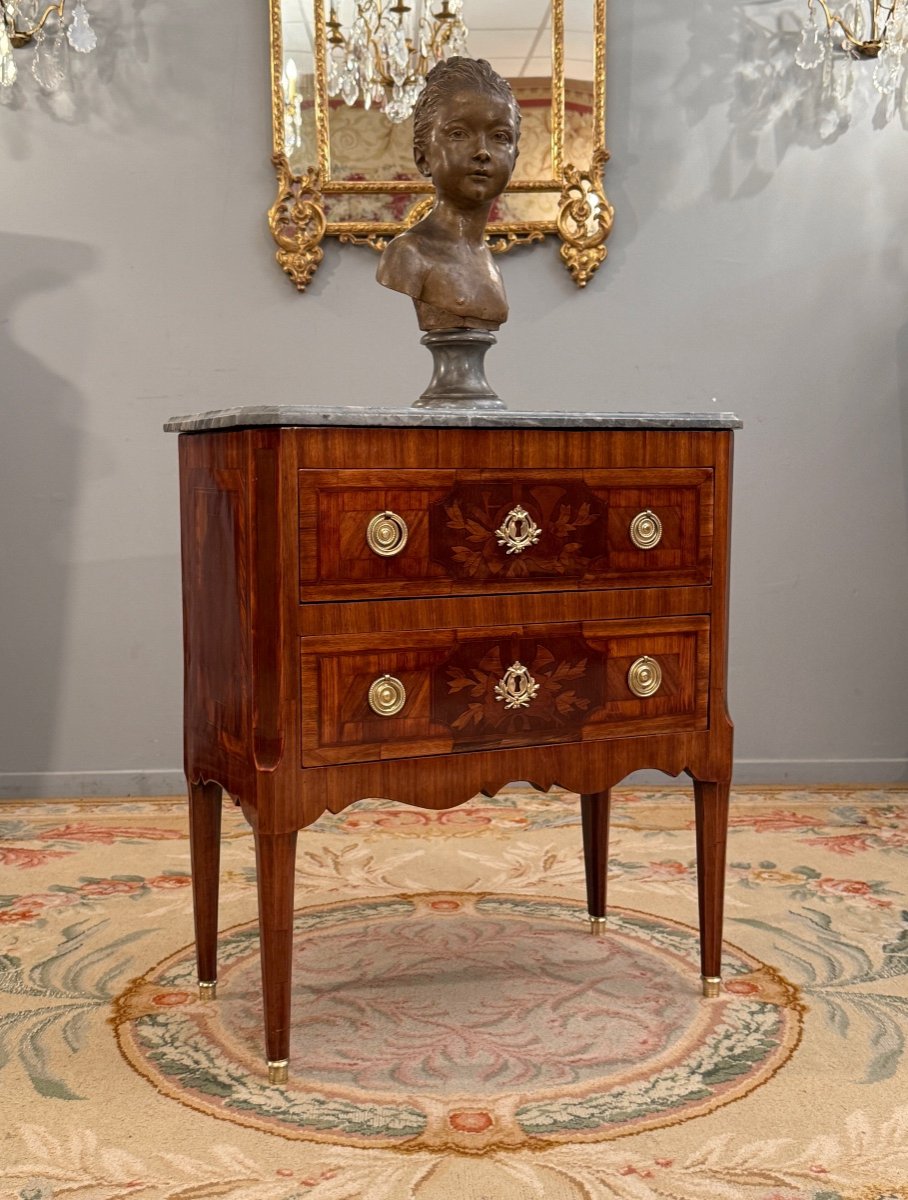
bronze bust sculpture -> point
(466, 125)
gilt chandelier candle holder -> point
(875, 29)
(383, 57)
(47, 27)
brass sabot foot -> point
(598, 926)
(208, 990)
(711, 985)
(277, 1071)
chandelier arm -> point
(849, 36)
(826, 9)
(869, 45)
(441, 35)
(889, 11)
(21, 37)
(874, 10)
(380, 73)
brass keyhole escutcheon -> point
(517, 687)
(644, 677)
(518, 531)
(387, 696)
(387, 534)
(646, 530)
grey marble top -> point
(375, 418)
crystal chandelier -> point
(293, 107)
(864, 29)
(382, 59)
(31, 22)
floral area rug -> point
(457, 1033)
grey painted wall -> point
(752, 267)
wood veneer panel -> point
(427, 448)
(437, 782)
(267, 625)
(216, 607)
(384, 616)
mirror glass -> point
(351, 167)
(298, 84)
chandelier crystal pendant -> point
(383, 57)
(863, 29)
(32, 22)
(293, 107)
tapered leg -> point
(275, 860)
(711, 801)
(205, 858)
(594, 814)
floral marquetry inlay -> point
(478, 532)
(483, 692)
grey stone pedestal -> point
(458, 376)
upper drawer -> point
(440, 532)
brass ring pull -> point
(645, 530)
(517, 687)
(387, 534)
(518, 531)
(644, 677)
(387, 696)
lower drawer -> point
(433, 692)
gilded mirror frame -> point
(582, 215)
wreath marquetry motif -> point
(479, 554)
(494, 696)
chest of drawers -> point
(427, 607)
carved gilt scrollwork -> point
(584, 220)
(501, 243)
(574, 205)
(375, 241)
(297, 222)
(358, 234)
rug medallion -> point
(470, 1022)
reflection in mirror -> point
(345, 76)
(298, 84)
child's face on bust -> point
(472, 148)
